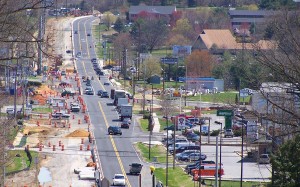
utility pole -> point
(41, 33)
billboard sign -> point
(169, 60)
(181, 51)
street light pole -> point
(219, 123)
(242, 157)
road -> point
(116, 152)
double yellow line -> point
(115, 147)
(104, 117)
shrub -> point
(215, 133)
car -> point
(88, 34)
(106, 83)
(114, 130)
(78, 54)
(179, 156)
(75, 32)
(88, 83)
(68, 51)
(119, 180)
(187, 148)
(190, 167)
(192, 157)
(171, 127)
(228, 133)
(104, 95)
(125, 124)
(60, 115)
(94, 60)
(67, 92)
(191, 136)
(89, 92)
(99, 93)
(63, 73)
(88, 88)
(75, 107)
(127, 120)
(10, 110)
(264, 159)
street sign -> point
(224, 113)
(244, 93)
(169, 60)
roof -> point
(221, 38)
(249, 12)
(152, 9)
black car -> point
(66, 92)
(93, 60)
(104, 95)
(171, 127)
(88, 34)
(107, 83)
(114, 130)
(99, 93)
(76, 32)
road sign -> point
(224, 113)
(169, 60)
(244, 93)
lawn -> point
(163, 123)
(16, 164)
(42, 110)
(226, 97)
(158, 151)
(144, 124)
(178, 178)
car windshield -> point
(119, 177)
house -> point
(156, 11)
(220, 40)
(239, 17)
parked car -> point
(104, 95)
(106, 83)
(178, 156)
(228, 133)
(196, 165)
(264, 159)
(114, 130)
(75, 107)
(125, 124)
(119, 180)
(192, 157)
(60, 115)
(192, 137)
(171, 127)
(188, 148)
(94, 60)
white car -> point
(119, 180)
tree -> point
(151, 66)
(199, 64)
(108, 19)
(184, 28)
(119, 25)
(121, 42)
(276, 4)
(149, 32)
(281, 61)
(286, 163)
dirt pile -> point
(32, 130)
(79, 133)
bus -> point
(207, 170)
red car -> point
(125, 124)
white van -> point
(178, 145)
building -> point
(220, 40)
(156, 11)
(205, 84)
(239, 17)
